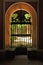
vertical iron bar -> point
(11, 36)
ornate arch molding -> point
(21, 6)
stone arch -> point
(21, 6)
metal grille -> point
(21, 34)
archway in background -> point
(20, 29)
(21, 6)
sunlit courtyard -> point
(26, 41)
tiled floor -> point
(21, 60)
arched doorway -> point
(14, 8)
(20, 29)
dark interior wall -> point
(40, 44)
(1, 24)
(41, 24)
(7, 4)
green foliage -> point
(14, 15)
(27, 16)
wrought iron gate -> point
(21, 30)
